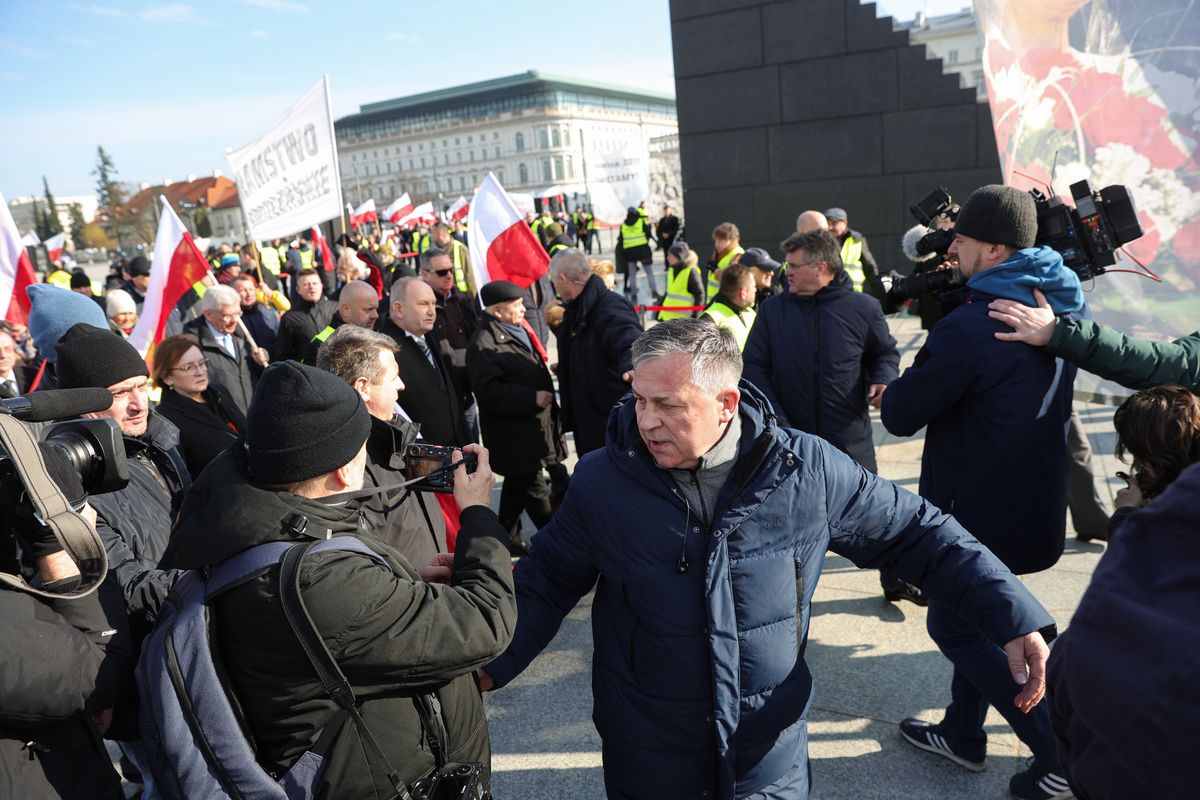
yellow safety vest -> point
(421, 242)
(677, 293)
(591, 222)
(633, 235)
(554, 248)
(460, 275)
(270, 259)
(306, 259)
(714, 280)
(852, 262)
(737, 324)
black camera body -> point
(434, 465)
(95, 449)
(1088, 235)
(455, 781)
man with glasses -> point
(234, 363)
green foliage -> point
(110, 196)
(53, 223)
(78, 224)
(203, 224)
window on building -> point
(521, 145)
(445, 143)
(556, 137)
(354, 156)
(376, 169)
(980, 84)
(558, 168)
(547, 170)
(570, 167)
(387, 167)
(523, 172)
(978, 52)
(462, 183)
(472, 155)
(470, 140)
(410, 148)
(497, 151)
(410, 165)
(474, 180)
(543, 138)
(952, 57)
(445, 158)
(567, 136)
(422, 162)
(459, 154)
(500, 176)
(457, 141)
(495, 135)
(421, 146)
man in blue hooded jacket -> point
(705, 572)
(995, 458)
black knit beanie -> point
(999, 215)
(302, 422)
(91, 357)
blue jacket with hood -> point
(699, 681)
(997, 412)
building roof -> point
(532, 81)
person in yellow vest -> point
(727, 246)
(733, 306)
(684, 284)
(593, 232)
(460, 254)
(420, 239)
(271, 257)
(856, 255)
(559, 240)
(539, 226)
(633, 243)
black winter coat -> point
(62, 663)
(429, 397)
(135, 522)
(205, 429)
(814, 357)
(593, 353)
(415, 527)
(238, 374)
(263, 323)
(299, 325)
(506, 377)
(391, 633)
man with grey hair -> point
(593, 348)
(233, 362)
(365, 359)
(706, 568)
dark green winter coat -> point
(1135, 363)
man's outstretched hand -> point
(1032, 326)
(1027, 660)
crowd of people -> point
(286, 412)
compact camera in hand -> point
(434, 465)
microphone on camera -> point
(57, 404)
(908, 244)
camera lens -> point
(81, 451)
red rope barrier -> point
(669, 308)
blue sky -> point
(166, 86)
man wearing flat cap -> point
(857, 260)
(995, 457)
(519, 417)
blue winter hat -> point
(54, 311)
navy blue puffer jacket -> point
(700, 684)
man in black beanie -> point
(396, 631)
(996, 458)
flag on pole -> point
(459, 209)
(31, 239)
(177, 265)
(16, 270)
(54, 247)
(323, 246)
(503, 247)
(421, 215)
(363, 214)
(401, 207)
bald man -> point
(810, 221)
(358, 304)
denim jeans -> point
(982, 678)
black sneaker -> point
(897, 590)
(1036, 783)
(930, 737)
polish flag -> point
(422, 214)
(323, 246)
(16, 270)
(177, 265)
(363, 214)
(54, 247)
(401, 207)
(460, 209)
(31, 240)
(503, 247)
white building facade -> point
(955, 39)
(533, 130)
(21, 209)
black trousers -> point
(528, 493)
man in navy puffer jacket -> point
(995, 458)
(705, 572)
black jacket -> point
(457, 319)
(62, 663)
(298, 326)
(814, 357)
(314, 347)
(391, 633)
(506, 377)
(135, 522)
(593, 353)
(205, 429)
(237, 373)
(263, 323)
(429, 397)
(415, 527)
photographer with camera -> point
(366, 360)
(399, 638)
(995, 458)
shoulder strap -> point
(333, 680)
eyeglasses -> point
(790, 265)
(192, 369)
(441, 273)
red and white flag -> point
(16, 270)
(363, 214)
(459, 209)
(421, 215)
(31, 239)
(323, 247)
(503, 247)
(401, 207)
(54, 247)
(177, 265)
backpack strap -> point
(333, 680)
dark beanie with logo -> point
(93, 357)
(999, 215)
(302, 422)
